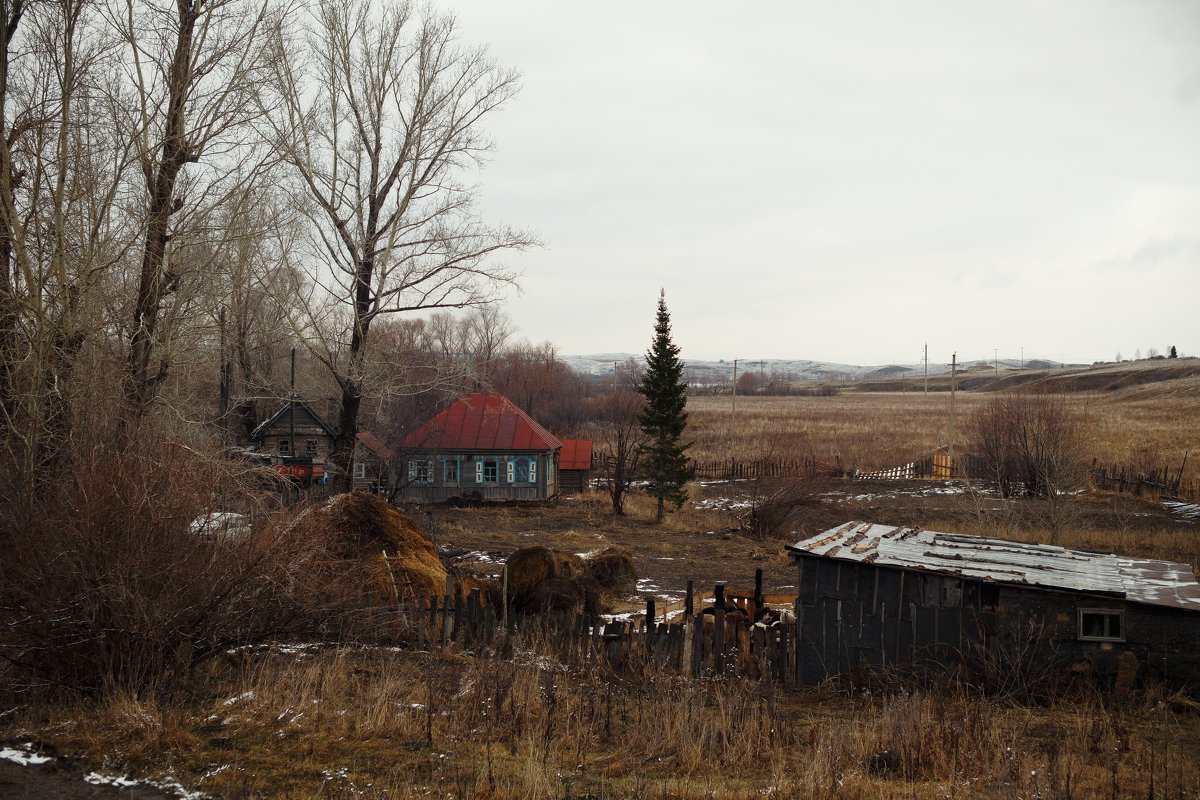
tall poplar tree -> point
(664, 419)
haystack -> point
(541, 580)
(613, 571)
(395, 554)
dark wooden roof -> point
(481, 422)
(278, 416)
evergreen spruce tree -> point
(664, 419)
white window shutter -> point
(533, 471)
(479, 472)
(511, 471)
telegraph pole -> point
(996, 359)
(927, 369)
(733, 406)
(953, 391)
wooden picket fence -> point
(717, 639)
(1163, 482)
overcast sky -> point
(847, 181)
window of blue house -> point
(420, 471)
(487, 471)
(450, 470)
(524, 470)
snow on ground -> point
(167, 784)
(722, 504)
(1189, 511)
(24, 756)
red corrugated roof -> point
(575, 454)
(372, 443)
(481, 422)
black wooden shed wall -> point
(855, 615)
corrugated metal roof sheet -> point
(576, 454)
(372, 443)
(1140, 580)
(489, 422)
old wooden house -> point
(574, 464)
(298, 442)
(295, 429)
(481, 447)
(874, 595)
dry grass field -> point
(1154, 424)
(377, 723)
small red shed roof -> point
(576, 454)
(372, 443)
(481, 422)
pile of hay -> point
(613, 571)
(542, 580)
(394, 553)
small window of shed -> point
(1101, 625)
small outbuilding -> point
(575, 464)
(481, 447)
(372, 463)
(873, 595)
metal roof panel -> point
(1139, 580)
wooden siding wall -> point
(856, 616)
(501, 491)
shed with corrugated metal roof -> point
(481, 447)
(873, 595)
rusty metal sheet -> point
(1138, 580)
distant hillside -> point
(1039, 374)
(777, 369)
(1182, 373)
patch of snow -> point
(248, 695)
(722, 504)
(25, 756)
(109, 780)
(1189, 511)
(221, 525)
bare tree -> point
(379, 112)
(61, 170)
(195, 67)
(1033, 442)
(619, 433)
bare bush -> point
(111, 588)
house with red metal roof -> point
(481, 447)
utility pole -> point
(292, 410)
(1022, 357)
(927, 369)
(733, 406)
(996, 359)
(953, 391)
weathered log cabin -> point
(299, 442)
(872, 596)
(481, 447)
